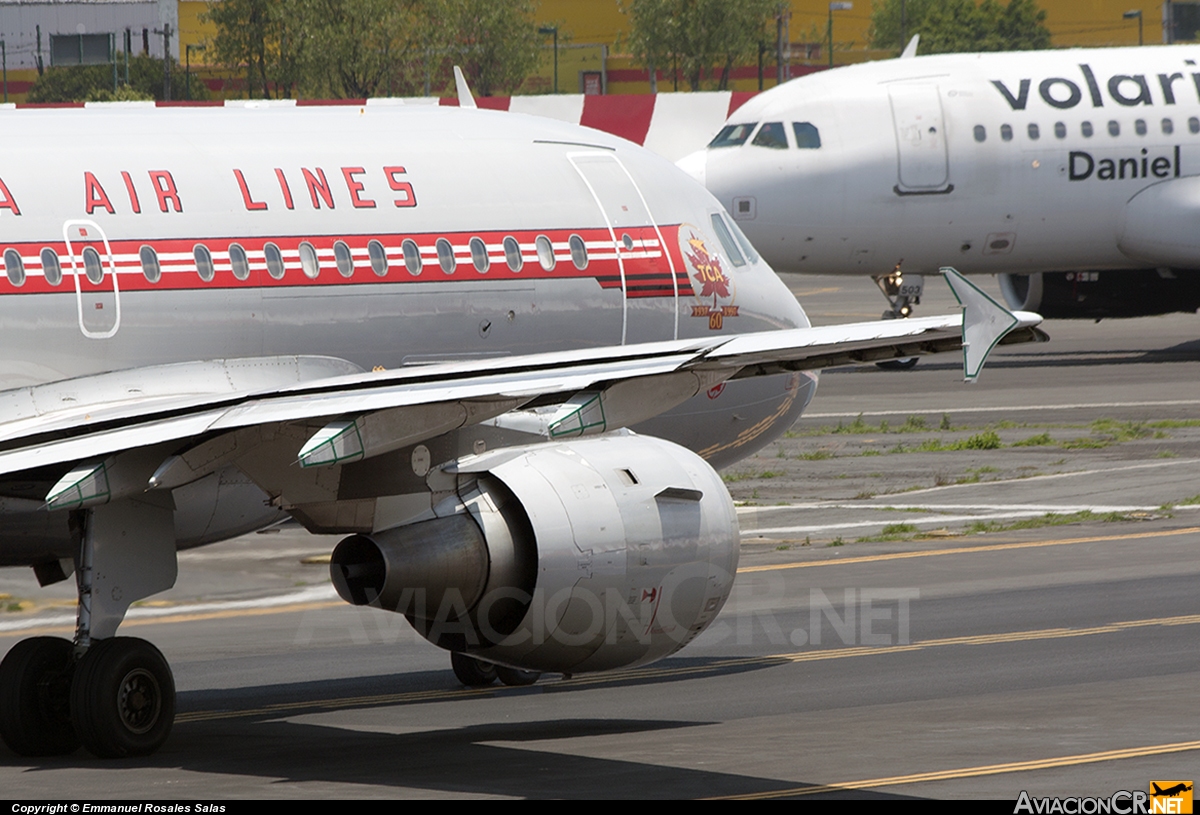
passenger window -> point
(771, 135)
(479, 255)
(807, 135)
(731, 250)
(512, 254)
(14, 267)
(445, 253)
(1060, 130)
(1114, 128)
(343, 259)
(204, 262)
(1086, 130)
(92, 265)
(1193, 125)
(308, 260)
(238, 261)
(1139, 127)
(1168, 127)
(742, 240)
(378, 256)
(1034, 133)
(980, 133)
(412, 257)
(51, 268)
(732, 136)
(545, 252)
(274, 261)
(1006, 132)
(578, 252)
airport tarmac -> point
(879, 642)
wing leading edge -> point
(358, 415)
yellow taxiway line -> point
(973, 772)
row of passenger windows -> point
(239, 260)
(771, 134)
(1086, 130)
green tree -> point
(948, 26)
(697, 36)
(496, 42)
(262, 37)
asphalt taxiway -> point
(879, 642)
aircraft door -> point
(921, 150)
(97, 295)
(645, 266)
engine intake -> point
(571, 556)
(1095, 295)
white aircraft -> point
(1072, 174)
(394, 323)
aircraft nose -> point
(695, 165)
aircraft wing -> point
(349, 416)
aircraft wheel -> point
(123, 698)
(35, 697)
(474, 673)
(515, 676)
(906, 364)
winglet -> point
(985, 322)
(910, 50)
(465, 100)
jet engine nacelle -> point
(1094, 295)
(575, 556)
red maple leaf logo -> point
(708, 270)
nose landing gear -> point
(902, 293)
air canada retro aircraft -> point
(426, 328)
(1072, 174)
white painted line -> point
(936, 520)
(1148, 466)
(1079, 406)
(311, 594)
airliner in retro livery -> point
(1072, 174)
(424, 328)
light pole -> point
(188, 69)
(842, 6)
(553, 29)
(1129, 15)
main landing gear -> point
(114, 695)
(902, 293)
(475, 673)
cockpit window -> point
(731, 249)
(742, 240)
(771, 135)
(733, 135)
(807, 135)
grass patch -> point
(864, 495)
(836, 542)
(892, 532)
(1049, 519)
(1040, 440)
(816, 455)
(1166, 454)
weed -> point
(871, 453)
(988, 440)
(1166, 454)
(883, 426)
(1040, 440)
(836, 542)
(1049, 519)
(816, 455)
(783, 547)
(913, 424)
(945, 425)
(865, 495)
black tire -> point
(515, 676)
(473, 673)
(123, 698)
(906, 364)
(35, 697)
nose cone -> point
(695, 165)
